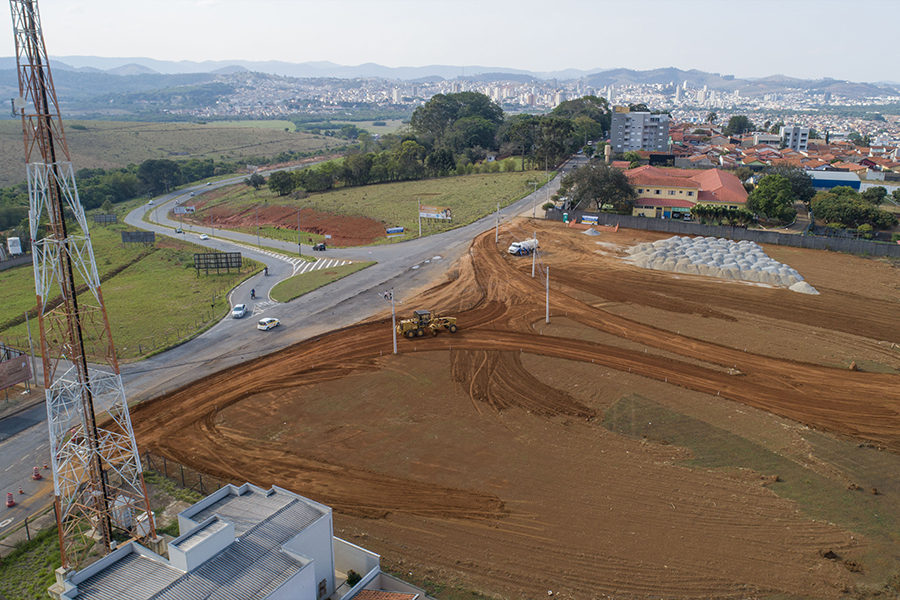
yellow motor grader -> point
(423, 321)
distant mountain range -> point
(596, 78)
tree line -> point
(454, 134)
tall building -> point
(795, 137)
(638, 131)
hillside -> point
(110, 144)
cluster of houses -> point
(705, 161)
(708, 146)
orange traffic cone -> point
(21, 491)
(36, 474)
(45, 465)
(9, 500)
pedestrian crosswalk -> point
(322, 263)
(301, 266)
(260, 307)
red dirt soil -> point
(480, 457)
(344, 230)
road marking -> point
(6, 522)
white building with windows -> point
(796, 138)
(638, 131)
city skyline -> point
(799, 38)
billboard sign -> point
(138, 237)
(14, 370)
(435, 212)
(394, 230)
(14, 245)
(224, 261)
(183, 210)
(106, 219)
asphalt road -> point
(407, 267)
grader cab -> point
(423, 321)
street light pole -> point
(534, 255)
(534, 199)
(257, 225)
(299, 247)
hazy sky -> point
(844, 39)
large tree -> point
(846, 207)
(773, 198)
(801, 182)
(159, 174)
(431, 120)
(281, 183)
(554, 141)
(598, 184)
(594, 108)
(737, 125)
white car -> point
(203, 236)
(192, 194)
(238, 311)
(267, 324)
(150, 203)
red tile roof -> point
(648, 175)
(726, 187)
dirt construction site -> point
(665, 436)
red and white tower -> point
(97, 474)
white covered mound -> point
(716, 257)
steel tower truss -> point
(97, 473)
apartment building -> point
(796, 138)
(631, 130)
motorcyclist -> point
(252, 294)
(266, 271)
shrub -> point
(353, 577)
(547, 206)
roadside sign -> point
(443, 213)
(394, 230)
(183, 210)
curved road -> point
(407, 267)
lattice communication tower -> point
(97, 476)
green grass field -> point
(282, 125)
(111, 144)
(144, 315)
(28, 571)
(296, 286)
(396, 204)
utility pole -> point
(257, 226)
(299, 246)
(497, 230)
(419, 204)
(386, 296)
(534, 199)
(547, 317)
(534, 255)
